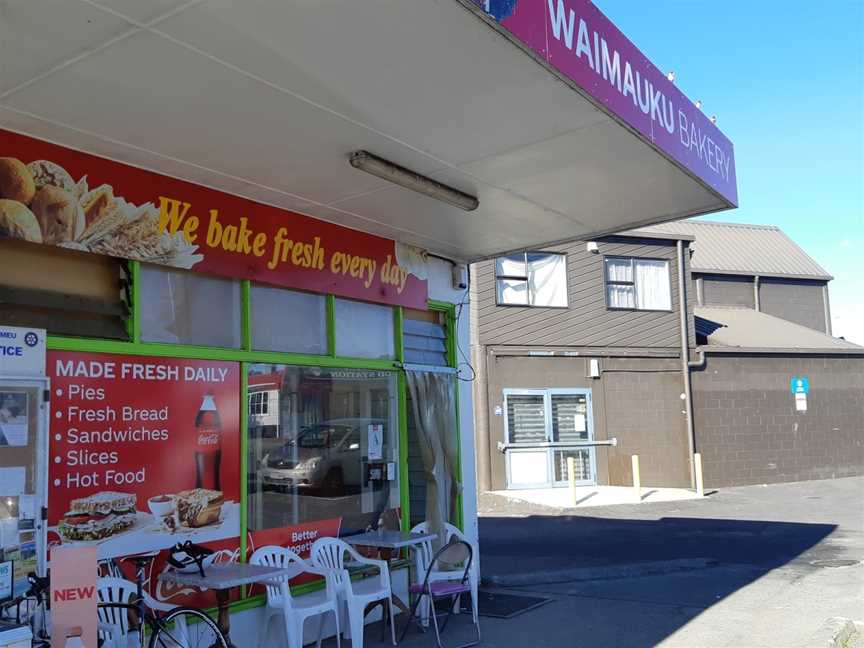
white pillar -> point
(637, 481)
(697, 465)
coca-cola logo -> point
(208, 438)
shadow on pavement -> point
(628, 610)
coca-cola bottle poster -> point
(144, 452)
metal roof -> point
(734, 248)
(748, 329)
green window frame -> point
(246, 355)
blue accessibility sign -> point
(800, 385)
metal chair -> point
(423, 557)
(454, 552)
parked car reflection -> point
(325, 458)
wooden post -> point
(697, 467)
(571, 475)
(637, 481)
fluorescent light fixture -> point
(403, 177)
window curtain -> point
(510, 266)
(433, 399)
(619, 270)
(513, 291)
(621, 296)
(652, 285)
(547, 277)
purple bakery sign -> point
(584, 45)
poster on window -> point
(13, 418)
(144, 452)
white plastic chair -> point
(328, 554)
(423, 555)
(294, 611)
(113, 623)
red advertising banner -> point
(144, 452)
(58, 196)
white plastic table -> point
(383, 539)
(222, 577)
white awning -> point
(266, 99)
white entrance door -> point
(23, 474)
(544, 427)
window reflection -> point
(314, 449)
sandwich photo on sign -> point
(98, 516)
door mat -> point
(507, 606)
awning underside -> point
(267, 99)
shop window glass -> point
(364, 330)
(313, 453)
(188, 308)
(546, 417)
(526, 419)
(289, 321)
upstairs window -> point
(638, 284)
(532, 279)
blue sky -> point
(785, 79)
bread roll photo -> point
(16, 181)
(18, 222)
(59, 215)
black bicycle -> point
(29, 608)
(177, 627)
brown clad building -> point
(578, 352)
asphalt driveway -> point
(751, 566)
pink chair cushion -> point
(441, 588)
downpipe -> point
(686, 363)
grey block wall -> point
(749, 432)
(728, 290)
(796, 300)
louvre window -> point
(66, 292)
(425, 338)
